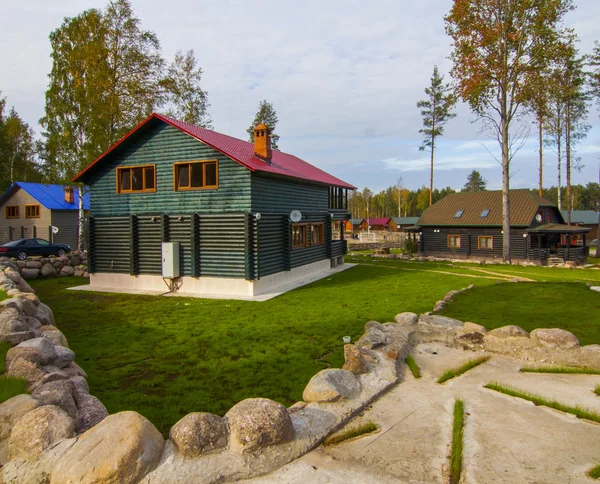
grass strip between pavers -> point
(539, 400)
(456, 457)
(449, 374)
(594, 473)
(414, 368)
(365, 428)
(560, 369)
(597, 390)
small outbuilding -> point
(378, 224)
(398, 224)
(30, 210)
(585, 218)
(469, 225)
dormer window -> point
(459, 214)
(485, 213)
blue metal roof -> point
(585, 217)
(50, 196)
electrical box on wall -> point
(170, 259)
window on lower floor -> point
(317, 234)
(299, 235)
(485, 242)
(454, 241)
(11, 211)
(136, 179)
(32, 211)
(196, 175)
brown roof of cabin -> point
(523, 207)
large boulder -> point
(331, 385)
(439, 322)
(373, 338)
(11, 321)
(90, 411)
(67, 271)
(13, 274)
(29, 296)
(510, 331)
(406, 318)
(13, 303)
(198, 433)
(18, 337)
(40, 346)
(24, 286)
(33, 264)
(44, 314)
(554, 338)
(73, 369)
(507, 339)
(255, 423)
(59, 393)
(47, 378)
(12, 410)
(25, 369)
(30, 274)
(122, 449)
(55, 335)
(357, 359)
(38, 430)
(48, 270)
(64, 356)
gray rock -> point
(12, 410)
(441, 322)
(33, 323)
(450, 294)
(43, 346)
(18, 337)
(74, 260)
(90, 411)
(25, 369)
(14, 303)
(55, 375)
(44, 314)
(24, 286)
(198, 433)
(11, 321)
(33, 264)
(406, 318)
(474, 328)
(48, 270)
(64, 356)
(38, 430)
(21, 264)
(331, 385)
(59, 393)
(373, 324)
(54, 335)
(66, 271)
(122, 448)
(372, 338)
(29, 308)
(439, 305)
(255, 423)
(73, 369)
(30, 274)
(81, 385)
(29, 296)
(510, 331)
(555, 338)
(13, 275)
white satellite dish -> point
(54, 229)
(296, 216)
(257, 216)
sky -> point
(344, 77)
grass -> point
(579, 412)
(597, 390)
(449, 374)
(532, 305)
(3, 296)
(166, 357)
(560, 369)
(456, 456)
(4, 347)
(414, 368)
(594, 473)
(365, 428)
(10, 387)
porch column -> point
(568, 246)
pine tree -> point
(475, 182)
(436, 111)
(266, 114)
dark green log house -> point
(227, 202)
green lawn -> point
(573, 307)
(166, 357)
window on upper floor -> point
(299, 236)
(338, 198)
(32, 211)
(459, 213)
(317, 234)
(11, 211)
(136, 179)
(196, 175)
(485, 213)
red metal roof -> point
(378, 221)
(240, 151)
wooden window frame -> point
(305, 244)
(479, 237)
(7, 208)
(321, 225)
(143, 167)
(448, 241)
(176, 186)
(37, 211)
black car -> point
(23, 248)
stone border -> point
(60, 433)
(73, 264)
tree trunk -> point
(540, 127)
(559, 150)
(568, 156)
(81, 238)
(505, 191)
(431, 173)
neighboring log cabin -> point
(469, 225)
(30, 210)
(226, 201)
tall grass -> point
(456, 457)
(4, 347)
(365, 428)
(594, 473)
(449, 374)
(597, 390)
(414, 368)
(539, 400)
(561, 369)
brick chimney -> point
(262, 142)
(69, 195)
